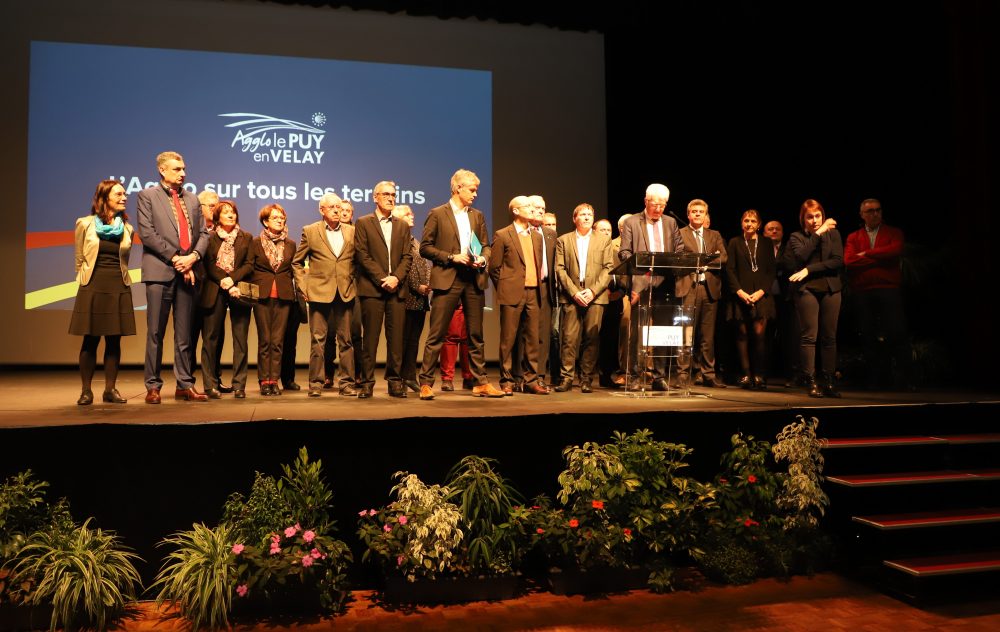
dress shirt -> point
(654, 231)
(582, 247)
(464, 226)
(699, 238)
(872, 234)
(335, 237)
(385, 223)
(544, 272)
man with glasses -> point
(873, 257)
(650, 231)
(382, 255)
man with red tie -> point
(174, 239)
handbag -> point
(249, 293)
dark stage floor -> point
(36, 398)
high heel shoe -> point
(759, 383)
(114, 397)
(745, 382)
(86, 398)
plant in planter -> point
(86, 575)
(418, 535)
(199, 575)
(24, 510)
(485, 500)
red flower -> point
(539, 530)
(535, 507)
(751, 479)
(723, 481)
(574, 523)
(627, 531)
(597, 504)
(749, 522)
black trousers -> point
(443, 304)
(387, 309)
(271, 317)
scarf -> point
(226, 259)
(274, 246)
(109, 232)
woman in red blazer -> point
(271, 271)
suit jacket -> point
(822, 255)
(506, 265)
(264, 275)
(86, 243)
(441, 239)
(327, 275)
(158, 230)
(597, 275)
(215, 274)
(879, 268)
(374, 262)
(635, 239)
(713, 278)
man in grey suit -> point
(701, 290)
(328, 285)
(650, 231)
(174, 239)
(583, 266)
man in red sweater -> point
(872, 256)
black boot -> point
(828, 388)
(814, 388)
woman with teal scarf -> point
(104, 301)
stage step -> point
(949, 518)
(937, 566)
(884, 442)
(914, 478)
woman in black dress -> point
(271, 270)
(750, 270)
(104, 301)
(226, 264)
(817, 254)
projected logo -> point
(278, 140)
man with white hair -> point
(650, 231)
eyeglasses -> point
(388, 195)
(327, 208)
(871, 211)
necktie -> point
(701, 248)
(545, 268)
(182, 224)
(657, 239)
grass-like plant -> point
(86, 574)
(199, 575)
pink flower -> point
(237, 549)
(751, 479)
(574, 523)
(372, 512)
(387, 528)
(275, 538)
(597, 504)
(242, 590)
(298, 527)
(315, 553)
(363, 513)
(400, 560)
(403, 520)
(307, 560)
(275, 549)
(309, 536)
(289, 532)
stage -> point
(147, 471)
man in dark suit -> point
(174, 239)
(453, 233)
(328, 285)
(583, 265)
(650, 231)
(702, 291)
(382, 245)
(515, 265)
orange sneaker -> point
(486, 390)
(426, 392)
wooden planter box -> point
(597, 580)
(450, 590)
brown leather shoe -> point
(426, 392)
(486, 390)
(153, 396)
(508, 389)
(536, 389)
(190, 394)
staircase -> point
(918, 511)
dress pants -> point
(456, 348)
(290, 342)
(818, 313)
(214, 333)
(324, 317)
(443, 304)
(376, 310)
(271, 317)
(330, 353)
(520, 322)
(703, 345)
(661, 295)
(580, 329)
(161, 299)
(880, 315)
(413, 326)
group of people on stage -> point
(563, 306)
